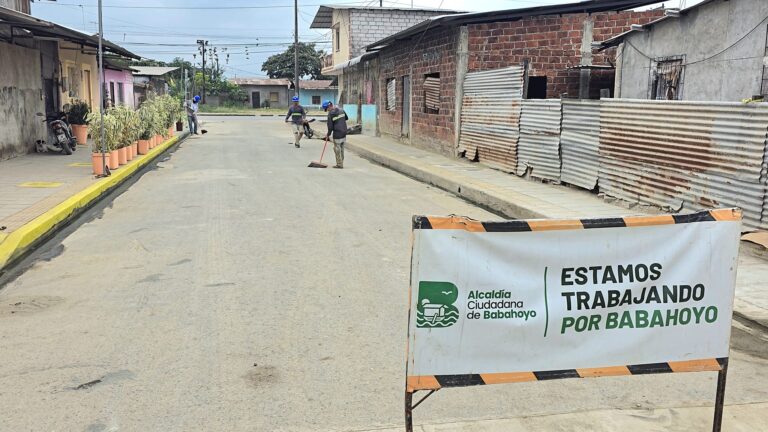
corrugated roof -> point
(588, 6)
(260, 81)
(324, 16)
(41, 28)
(315, 84)
(152, 70)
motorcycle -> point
(63, 139)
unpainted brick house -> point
(421, 69)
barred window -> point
(432, 93)
(391, 95)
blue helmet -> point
(326, 104)
(295, 98)
(196, 98)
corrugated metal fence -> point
(579, 142)
(490, 117)
(538, 150)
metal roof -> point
(324, 16)
(316, 84)
(41, 28)
(260, 81)
(152, 70)
(587, 6)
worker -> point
(297, 116)
(337, 126)
(192, 109)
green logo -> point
(435, 308)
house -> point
(265, 92)
(313, 92)
(44, 66)
(526, 53)
(118, 83)
(150, 79)
(354, 28)
(713, 51)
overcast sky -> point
(248, 30)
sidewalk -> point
(38, 192)
(518, 198)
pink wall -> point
(125, 77)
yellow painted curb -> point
(18, 241)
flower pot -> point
(179, 126)
(135, 149)
(170, 132)
(81, 133)
(114, 160)
(129, 153)
(98, 167)
(122, 154)
(143, 147)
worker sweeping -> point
(296, 115)
(337, 126)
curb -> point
(477, 194)
(15, 244)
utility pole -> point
(381, 3)
(203, 44)
(296, 46)
(101, 96)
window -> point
(120, 94)
(73, 81)
(391, 96)
(316, 100)
(667, 78)
(337, 34)
(274, 97)
(432, 93)
(537, 87)
(112, 92)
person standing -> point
(337, 126)
(192, 109)
(297, 116)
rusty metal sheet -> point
(391, 95)
(685, 155)
(579, 142)
(490, 117)
(538, 151)
(432, 93)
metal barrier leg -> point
(720, 398)
(408, 411)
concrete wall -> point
(305, 97)
(84, 66)
(19, 5)
(21, 97)
(264, 91)
(551, 44)
(124, 77)
(341, 21)
(699, 34)
(372, 25)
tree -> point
(310, 63)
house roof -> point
(260, 81)
(324, 16)
(619, 38)
(152, 70)
(41, 28)
(587, 6)
(315, 84)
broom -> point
(320, 164)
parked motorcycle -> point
(61, 139)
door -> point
(406, 130)
(88, 92)
(256, 99)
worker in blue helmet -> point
(296, 116)
(337, 126)
(192, 109)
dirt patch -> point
(261, 376)
(26, 305)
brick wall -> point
(550, 44)
(435, 53)
(371, 25)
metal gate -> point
(490, 117)
(406, 125)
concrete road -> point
(234, 289)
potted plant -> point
(111, 136)
(146, 129)
(77, 116)
(180, 121)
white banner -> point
(563, 297)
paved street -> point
(233, 288)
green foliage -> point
(130, 124)
(310, 63)
(112, 131)
(149, 118)
(77, 113)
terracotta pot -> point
(122, 154)
(129, 153)
(170, 132)
(135, 149)
(143, 147)
(81, 133)
(114, 160)
(98, 167)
